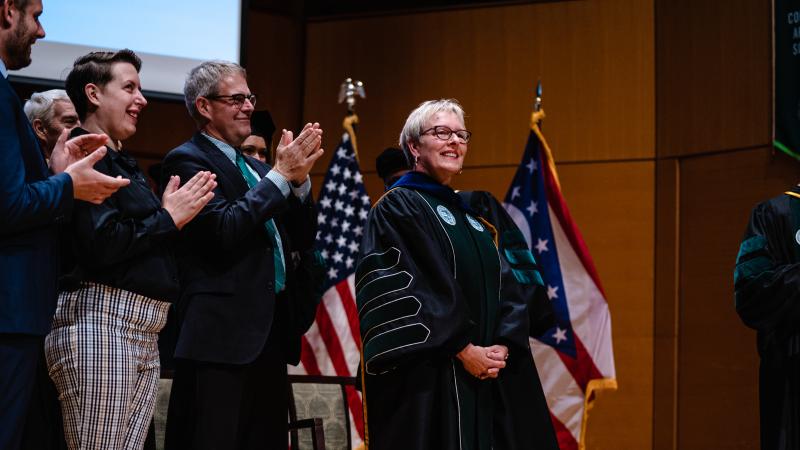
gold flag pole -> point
(536, 118)
(348, 91)
(597, 384)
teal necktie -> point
(272, 231)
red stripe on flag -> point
(582, 367)
(308, 358)
(334, 347)
(349, 305)
(565, 439)
(559, 206)
(331, 340)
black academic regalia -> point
(427, 284)
(521, 416)
(767, 288)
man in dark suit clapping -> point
(33, 199)
(242, 311)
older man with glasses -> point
(240, 315)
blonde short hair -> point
(415, 123)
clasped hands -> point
(294, 157)
(483, 362)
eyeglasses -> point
(236, 100)
(445, 133)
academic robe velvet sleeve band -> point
(408, 301)
(767, 298)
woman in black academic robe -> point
(435, 333)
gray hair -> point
(40, 105)
(415, 123)
(203, 81)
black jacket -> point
(228, 302)
(126, 241)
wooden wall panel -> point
(595, 59)
(275, 62)
(714, 75)
(718, 400)
(612, 203)
(162, 126)
(667, 288)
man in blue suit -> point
(33, 200)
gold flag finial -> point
(348, 91)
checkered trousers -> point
(102, 354)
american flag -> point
(331, 347)
(575, 357)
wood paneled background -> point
(597, 65)
(595, 59)
(659, 115)
(713, 122)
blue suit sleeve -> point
(26, 204)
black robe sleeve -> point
(767, 292)
(409, 304)
(767, 275)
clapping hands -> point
(185, 203)
(294, 158)
(77, 158)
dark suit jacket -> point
(228, 301)
(31, 204)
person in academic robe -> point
(435, 332)
(767, 293)
(391, 164)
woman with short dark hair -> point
(102, 352)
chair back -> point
(318, 397)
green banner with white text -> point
(787, 76)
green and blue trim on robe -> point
(427, 284)
(520, 414)
(767, 299)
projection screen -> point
(171, 37)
